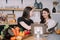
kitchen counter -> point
(53, 36)
(32, 38)
(49, 37)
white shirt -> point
(50, 23)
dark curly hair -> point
(41, 17)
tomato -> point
(26, 32)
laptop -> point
(38, 27)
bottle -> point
(36, 4)
(40, 5)
(54, 10)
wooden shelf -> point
(9, 23)
(16, 9)
(37, 9)
(10, 9)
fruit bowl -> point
(57, 31)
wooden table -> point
(32, 38)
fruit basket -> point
(25, 34)
(19, 34)
(11, 18)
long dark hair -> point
(41, 17)
(26, 12)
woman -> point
(25, 22)
(46, 19)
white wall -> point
(17, 3)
